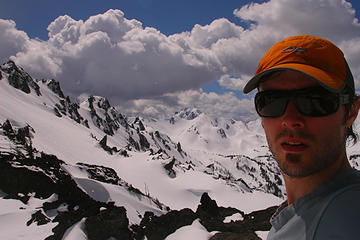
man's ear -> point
(353, 112)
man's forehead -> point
(286, 79)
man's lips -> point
(293, 145)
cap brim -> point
(317, 74)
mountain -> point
(85, 171)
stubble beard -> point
(294, 165)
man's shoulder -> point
(340, 219)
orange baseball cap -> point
(313, 56)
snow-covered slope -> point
(146, 170)
(197, 131)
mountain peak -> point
(54, 86)
(101, 102)
(19, 79)
(10, 65)
(189, 113)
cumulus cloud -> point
(12, 40)
(112, 56)
(233, 83)
(145, 70)
(333, 19)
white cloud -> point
(333, 19)
(112, 56)
(12, 40)
(351, 48)
(233, 83)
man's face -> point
(303, 145)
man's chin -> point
(293, 166)
(293, 157)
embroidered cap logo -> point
(294, 50)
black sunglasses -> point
(313, 102)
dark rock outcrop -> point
(159, 227)
(169, 168)
(67, 108)
(144, 144)
(55, 87)
(103, 145)
(212, 217)
(107, 124)
(189, 114)
(19, 79)
(111, 223)
(39, 218)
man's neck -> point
(297, 187)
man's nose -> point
(292, 118)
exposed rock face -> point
(211, 217)
(261, 173)
(39, 218)
(169, 168)
(189, 114)
(245, 229)
(144, 144)
(105, 122)
(235, 236)
(222, 133)
(101, 173)
(159, 227)
(67, 108)
(55, 87)
(111, 223)
(19, 79)
(103, 145)
(104, 104)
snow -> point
(194, 231)
(262, 234)
(76, 232)
(202, 134)
(94, 189)
(234, 217)
(14, 216)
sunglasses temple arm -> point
(344, 98)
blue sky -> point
(154, 57)
(166, 15)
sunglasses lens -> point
(268, 105)
(316, 106)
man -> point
(307, 104)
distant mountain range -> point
(85, 171)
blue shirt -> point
(331, 211)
